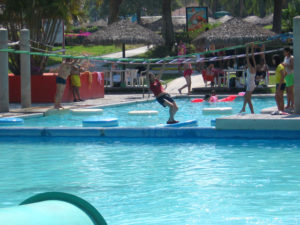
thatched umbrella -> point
(233, 32)
(124, 32)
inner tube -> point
(230, 98)
(143, 112)
(197, 100)
(86, 111)
(220, 110)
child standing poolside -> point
(187, 75)
(288, 64)
(280, 84)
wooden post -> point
(147, 78)
(4, 87)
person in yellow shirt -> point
(76, 83)
(280, 84)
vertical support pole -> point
(147, 79)
(4, 87)
(25, 70)
(297, 65)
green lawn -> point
(90, 50)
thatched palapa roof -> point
(233, 32)
(124, 32)
(260, 21)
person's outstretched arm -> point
(252, 55)
(159, 76)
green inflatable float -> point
(52, 208)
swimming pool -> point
(160, 181)
(187, 111)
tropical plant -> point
(44, 19)
(289, 13)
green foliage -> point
(289, 13)
(158, 52)
(187, 37)
(42, 18)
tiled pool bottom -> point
(187, 111)
(160, 181)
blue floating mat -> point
(9, 121)
(189, 123)
(213, 123)
(100, 122)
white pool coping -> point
(259, 122)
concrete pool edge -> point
(148, 132)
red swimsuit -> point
(156, 87)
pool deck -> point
(259, 122)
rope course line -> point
(191, 58)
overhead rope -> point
(191, 58)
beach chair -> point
(207, 78)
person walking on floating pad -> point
(163, 97)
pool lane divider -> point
(148, 132)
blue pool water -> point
(187, 111)
(160, 181)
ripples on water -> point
(160, 181)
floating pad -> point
(8, 121)
(86, 111)
(213, 123)
(219, 110)
(100, 122)
(143, 112)
(189, 123)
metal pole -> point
(4, 87)
(25, 70)
(297, 65)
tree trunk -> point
(241, 8)
(167, 29)
(138, 14)
(262, 8)
(214, 6)
(277, 16)
(114, 6)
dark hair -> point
(287, 49)
(277, 60)
(213, 91)
(206, 97)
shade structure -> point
(124, 32)
(233, 32)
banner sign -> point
(196, 17)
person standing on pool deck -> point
(288, 64)
(188, 70)
(163, 97)
(280, 85)
(251, 72)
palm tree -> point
(167, 29)
(114, 7)
(277, 16)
